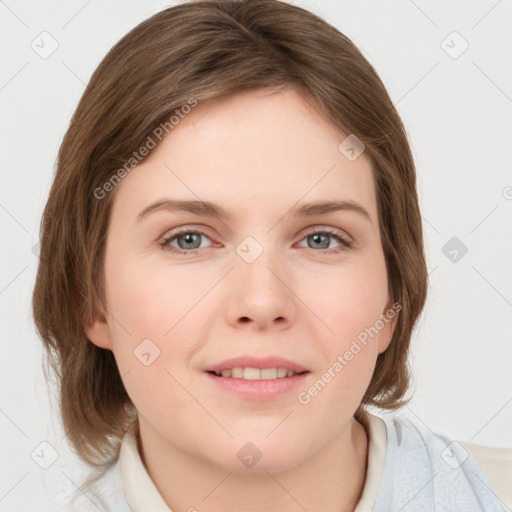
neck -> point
(332, 480)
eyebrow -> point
(214, 210)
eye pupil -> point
(189, 239)
(317, 236)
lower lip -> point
(258, 389)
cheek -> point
(154, 325)
(153, 300)
(348, 299)
(349, 354)
(349, 303)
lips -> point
(256, 367)
(262, 389)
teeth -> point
(256, 373)
(252, 374)
(237, 373)
(268, 373)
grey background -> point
(458, 112)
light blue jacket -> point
(425, 472)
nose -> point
(261, 294)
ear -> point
(99, 332)
(389, 316)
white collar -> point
(142, 495)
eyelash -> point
(345, 242)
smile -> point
(249, 373)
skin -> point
(257, 154)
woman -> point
(231, 269)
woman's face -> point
(256, 284)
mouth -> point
(257, 387)
(257, 379)
(256, 368)
(250, 373)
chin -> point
(258, 458)
(262, 467)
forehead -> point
(252, 151)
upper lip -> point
(257, 362)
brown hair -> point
(206, 50)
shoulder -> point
(423, 467)
(496, 464)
